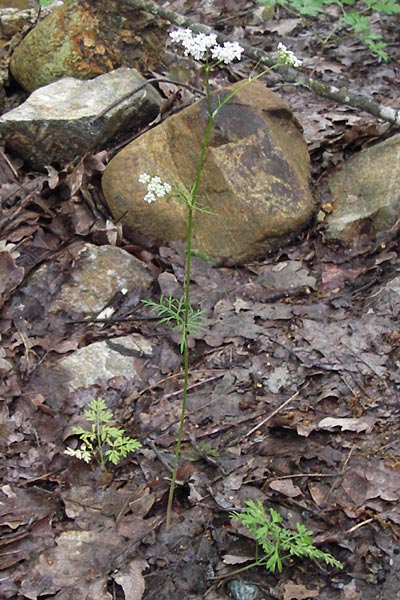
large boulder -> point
(365, 193)
(70, 117)
(254, 184)
(84, 38)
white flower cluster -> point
(156, 188)
(82, 453)
(194, 45)
(227, 53)
(198, 45)
(287, 57)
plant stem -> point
(99, 442)
(252, 565)
(185, 368)
(191, 204)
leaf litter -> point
(293, 394)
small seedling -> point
(102, 442)
(276, 542)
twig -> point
(274, 412)
(355, 527)
(159, 455)
(335, 484)
(194, 385)
(342, 95)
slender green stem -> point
(185, 368)
(252, 565)
(189, 231)
(99, 442)
(191, 202)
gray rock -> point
(366, 193)
(98, 273)
(13, 20)
(242, 590)
(70, 117)
(97, 363)
(101, 361)
(2, 94)
(254, 184)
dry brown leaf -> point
(234, 559)
(131, 580)
(285, 487)
(347, 424)
(293, 591)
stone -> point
(97, 363)
(18, 5)
(365, 193)
(101, 361)
(243, 590)
(13, 21)
(98, 273)
(85, 38)
(254, 184)
(2, 95)
(67, 118)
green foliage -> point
(355, 15)
(199, 451)
(45, 2)
(102, 442)
(276, 541)
(173, 309)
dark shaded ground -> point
(294, 386)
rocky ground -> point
(294, 377)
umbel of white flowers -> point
(155, 187)
(287, 57)
(201, 47)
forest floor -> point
(293, 392)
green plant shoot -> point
(102, 442)
(275, 541)
(170, 309)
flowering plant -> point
(205, 49)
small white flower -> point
(287, 57)
(82, 453)
(144, 178)
(195, 45)
(156, 188)
(228, 52)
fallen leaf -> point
(347, 424)
(285, 487)
(298, 592)
(131, 580)
(234, 559)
